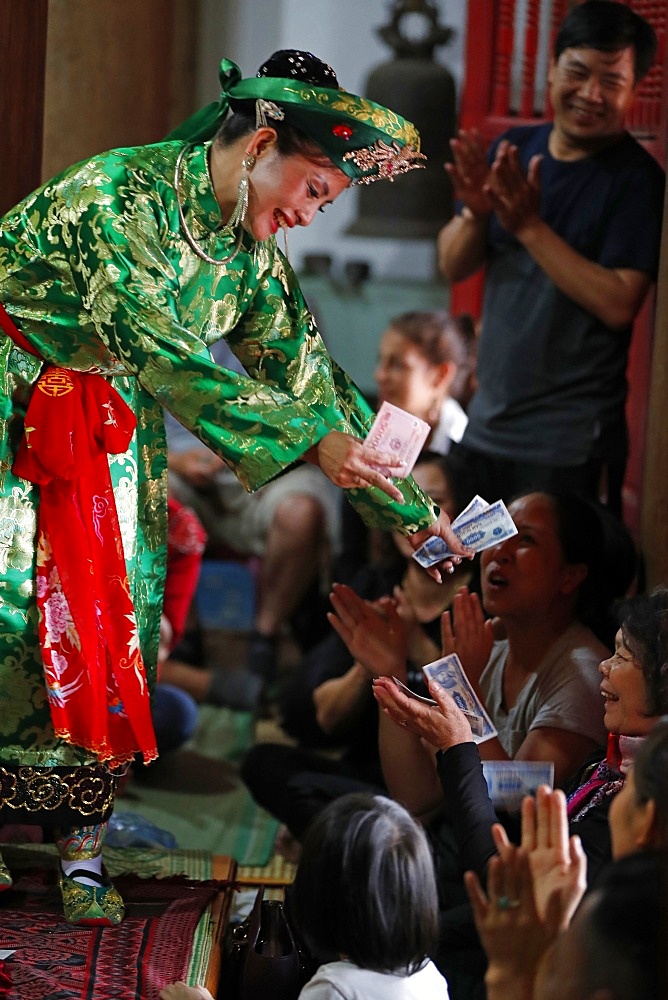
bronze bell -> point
(421, 90)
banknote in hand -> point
(400, 433)
(475, 721)
(449, 673)
(485, 527)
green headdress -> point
(365, 140)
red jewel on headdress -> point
(342, 132)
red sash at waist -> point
(94, 672)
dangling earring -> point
(239, 214)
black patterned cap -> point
(303, 66)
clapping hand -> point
(532, 893)
(472, 636)
(511, 931)
(469, 171)
(373, 631)
(514, 195)
(558, 863)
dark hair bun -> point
(303, 66)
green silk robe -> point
(96, 272)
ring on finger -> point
(506, 903)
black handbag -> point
(262, 958)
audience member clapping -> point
(635, 694)
(533, 890)
(538, 679)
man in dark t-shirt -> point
(566, 217)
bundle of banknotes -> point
(449, 673)
(479, 526)
(400, 433)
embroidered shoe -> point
(90, 905)
(5, 877)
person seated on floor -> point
(635, 696)
(534, 666)
(364, 901)
(290, 524)
(534, 890)
(417, 367)
(328, 701)
(539, 682)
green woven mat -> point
(195, 793)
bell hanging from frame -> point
(422, 91)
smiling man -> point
(566, 217)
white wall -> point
(342, 33)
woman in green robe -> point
(115, 279)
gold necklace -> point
(236, 218)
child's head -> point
(365, 887)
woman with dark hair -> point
(115, 278)
(415, 370)
(365, 903)
(533, 663)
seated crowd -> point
(374, 785)
(571, 672)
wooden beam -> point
(23, 58)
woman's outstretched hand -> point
(350, 464)
(442, 725)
